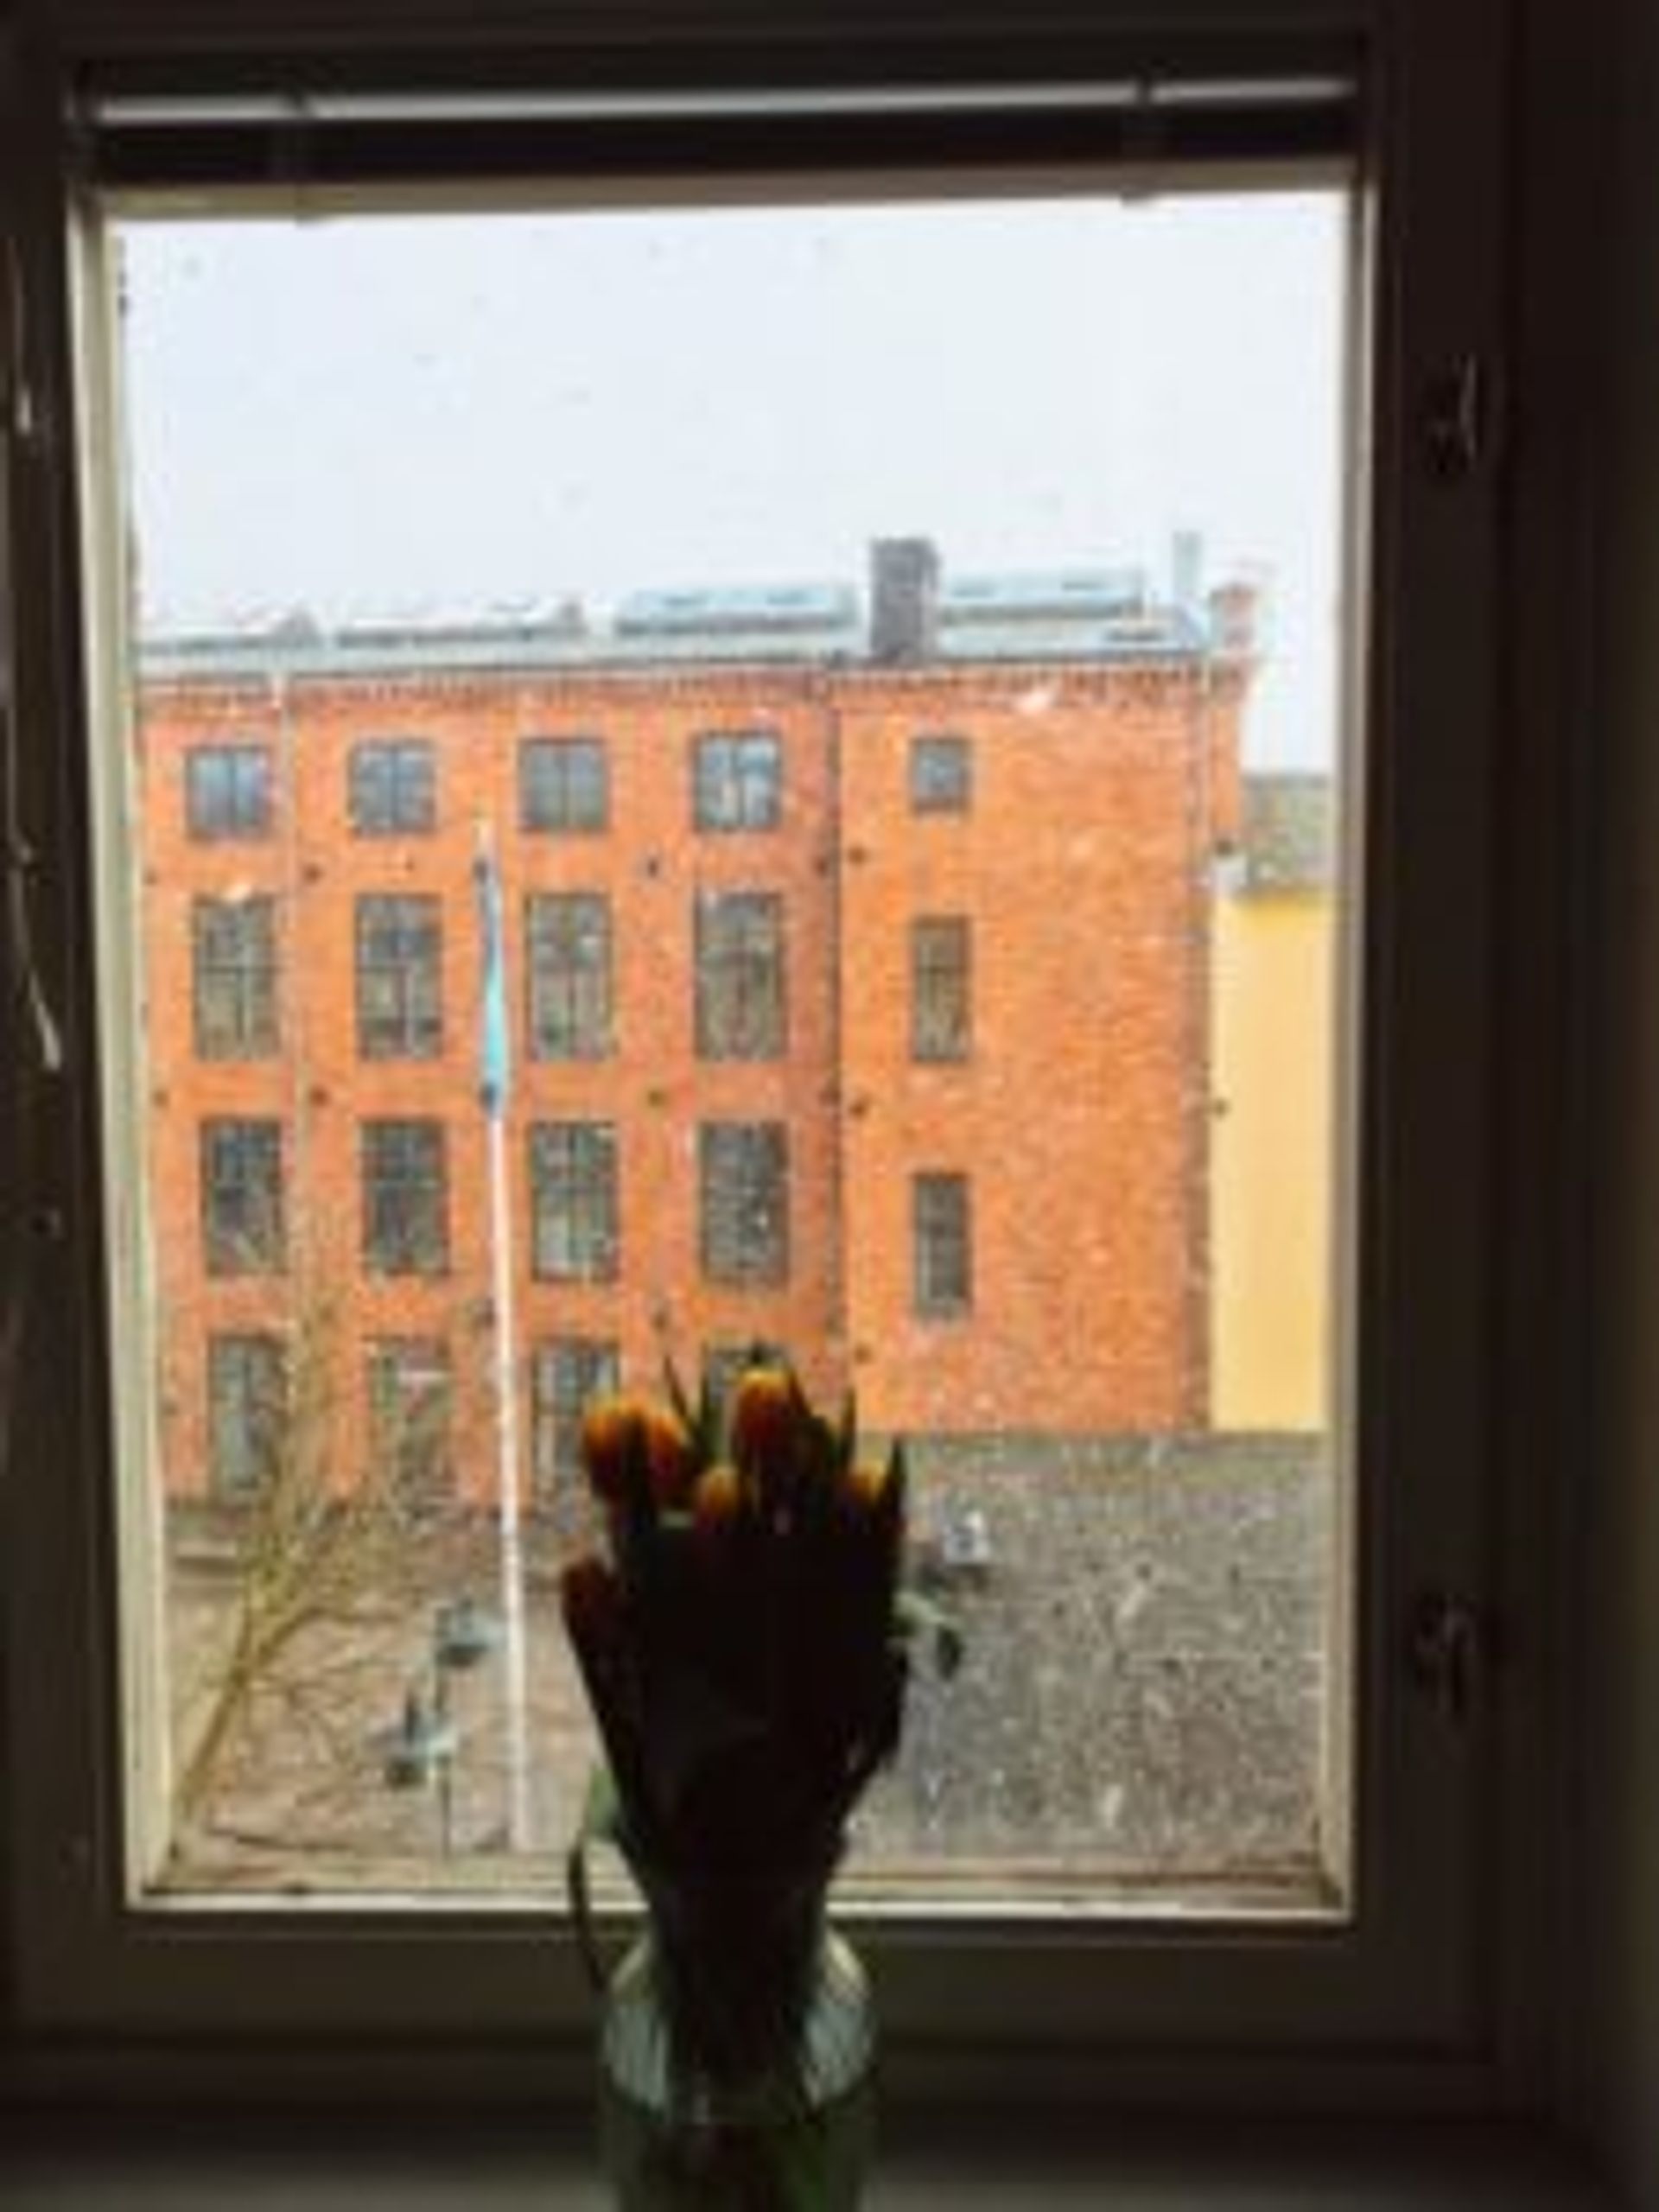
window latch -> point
(1447, 1653)
(1456, 419)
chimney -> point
(1236, 614)
(904, 599)
(1186, 568)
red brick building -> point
(856, 961)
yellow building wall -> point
(1270, 1163)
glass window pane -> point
(841, 851)
(940, 775)
(573, 1201)
(393, 788)
(228, 789)
(405, 1208)
(739, 975)
(247, 1413)
(563, 784)
(567, 961)
(567, 1373)
(941, 1022)
(235, 979)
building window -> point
(399, 977)
(942, 1234)
(737, 781)
(393, 787)
(573, 1201)
(405, 1199)
(941, 775)
(410, 1402)
(739, 975)
(242, 1195)
(941, 979)
(233, 953)
(569, 940)
(563, 784)
(228, 791)
(744, 1181)
(247, 1412)
(565, 1373)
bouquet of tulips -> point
(742, 1636)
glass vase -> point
(736, 2056)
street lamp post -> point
(421, 1748)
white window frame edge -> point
(1400, 2002)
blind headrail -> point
(150, 135)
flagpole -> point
(494, 1083)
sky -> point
(387, 413)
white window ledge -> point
(189, 2164)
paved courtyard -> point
(1141, 1698)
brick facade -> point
(1074, 1103)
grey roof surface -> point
(1044, 591)
(1095, 614)
(741, 608)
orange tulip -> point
(670, 1461)
(865, 1487)
(613, 1430)
(717, 1501)
(766, 1420)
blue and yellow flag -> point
(495, 1043)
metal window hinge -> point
(1456, 419)
(1448, 1653)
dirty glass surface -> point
(758, 777)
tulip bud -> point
(612, 1435)
(767, 1415)
(670, 1461)
(866, 1488)
(717, 1501)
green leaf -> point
(917, 1618)
(601, 1809)
(676, 1396)
(601, 1822)
(847, 1439)
(898, 1475)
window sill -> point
(187, 2164)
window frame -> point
(729, 767)
(229, 1252)
(724, 974)
(565, 819)
(575, 1161)
(750, 1149)
(556, 1414)
(1407, 1993)
(248, 978)
(930, 746)
(569, 1003)
(415, 1029)
(939, 1230)
(241, 822)
(392, 757)
(421, 1187)
(420, 1463)
(243, 1352)
(941, 990)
